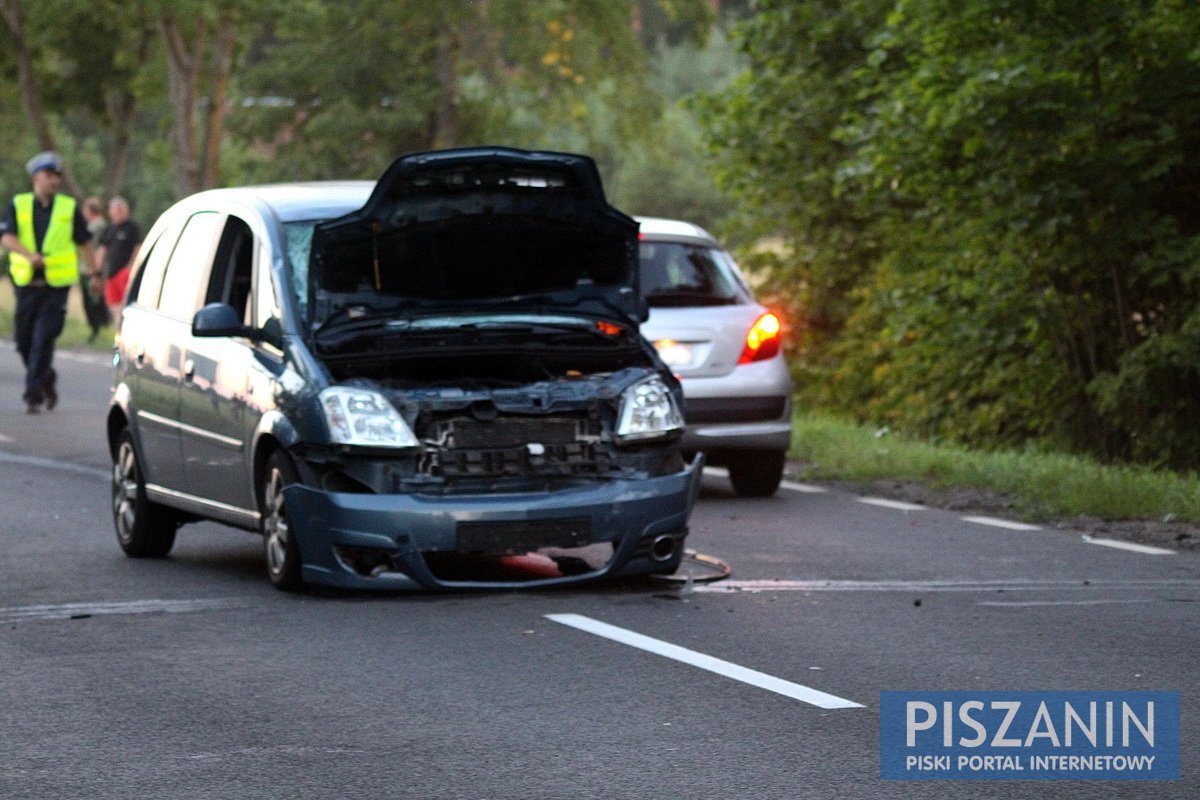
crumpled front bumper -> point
(627, 513)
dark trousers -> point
(94, 307)
(41, 311)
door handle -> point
(189, 369)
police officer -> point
(44, 232)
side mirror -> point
(272, 332)
(219, 319)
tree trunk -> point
(183, 78)
(121, 110)
(445, 120)
(15, 19)
(121, 106)
(218, 100)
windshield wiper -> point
(349, 324)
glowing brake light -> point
(763, 340)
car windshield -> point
(298, 237)
(679, 274)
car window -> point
(266, 307)
(148, 281)
(188, 266)
(298, 236)
(233, 269)
(679, 274)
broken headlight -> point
(648, 411)
(362, 417)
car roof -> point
(658, 227)
(292, 202)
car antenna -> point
(375, 228)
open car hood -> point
(481, 227)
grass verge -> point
(1041, 483)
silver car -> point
(726, 350)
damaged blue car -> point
(433, 381)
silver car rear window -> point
(682, 274)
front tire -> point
(145, 529)
(282, 554)
(756, 473)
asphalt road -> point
(191, 677)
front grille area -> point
(501, 433)
(514, 446)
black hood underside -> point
(481, 226)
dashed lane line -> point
(896, 505)
(1130, 546)
(807, 488)
(50, 463)
(97, 359)
(1040, 603)
(996, 522)
(706, 662)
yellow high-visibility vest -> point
(58, 246)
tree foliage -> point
(390, 76)
(992, 208)
(158, 98)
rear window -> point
(679, 274)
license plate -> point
(521, 536)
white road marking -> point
(996, 522)
(6, 439)
(803, 487)
(272, 750)
(1012, 585)
(1130, 546)
(98, 609)
(1031, 603)
(702, 661)
(721, 472)
(84, 358)
(894, 504)
(50, 463)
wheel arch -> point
(274, 432)
(117, 422)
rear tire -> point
(756, 473)
(282, 554)
(145, 529)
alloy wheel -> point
(125, 492)
(275, 523)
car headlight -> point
(648, 411)
(363, 417)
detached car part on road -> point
(433, 381)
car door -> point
(225, 382)
(155, 329)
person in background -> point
(47, 239)
(118, 249)
(91, 283)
